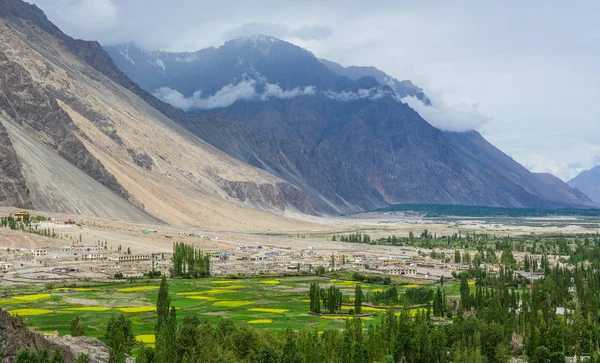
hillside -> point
(81, 138)
(588, 182)
(340, 134)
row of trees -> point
(329, 300)
(354, 238)
(189, 261)
(25, 226)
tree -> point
(465, 293)
(163, 304)
(189, 261)
(290, 353)
(145, 355)
(77, 327)
(540, 355)
(57, 357)
(24, 357)
(266, 354)
(358, 297)
(119, 338)
(320, 270)
(166, 351)
(456, 256)
(187, 337)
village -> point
(71, 255)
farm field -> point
(266, 303)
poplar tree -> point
(358, 297)
(162, 305)
(119, 338)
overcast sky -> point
(530, 69)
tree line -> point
(189, 261)
(329, 299)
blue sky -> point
(529, 69)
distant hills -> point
(341, 134)
(435, 210)
(588, 182)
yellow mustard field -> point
(270, 282)
(260, 321)
(31, 297)
(138, 309)
(269, 310)
(146, 338)
(29, 311)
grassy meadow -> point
(266, 303)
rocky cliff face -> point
(13, 189)
(33, 107)
(15, 337)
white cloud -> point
(458, 117)
(345, 96)
(89, 18)
(224, 97)
(228, 95)
(540, 163)
(274, 91)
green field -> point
(265, 303)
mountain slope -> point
(84, 139)
(13, 188)
(348, 142)
(588, 182)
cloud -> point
(228, 95)
(278, 30)
(224, 97)
(345, 96)
(90, 18)
(458, 117)
(540, 163)
(313, 32)
(253, 28)
(274, 91)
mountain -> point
(401, 88)
(77, 136)
(588, 182)
(342, 135)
